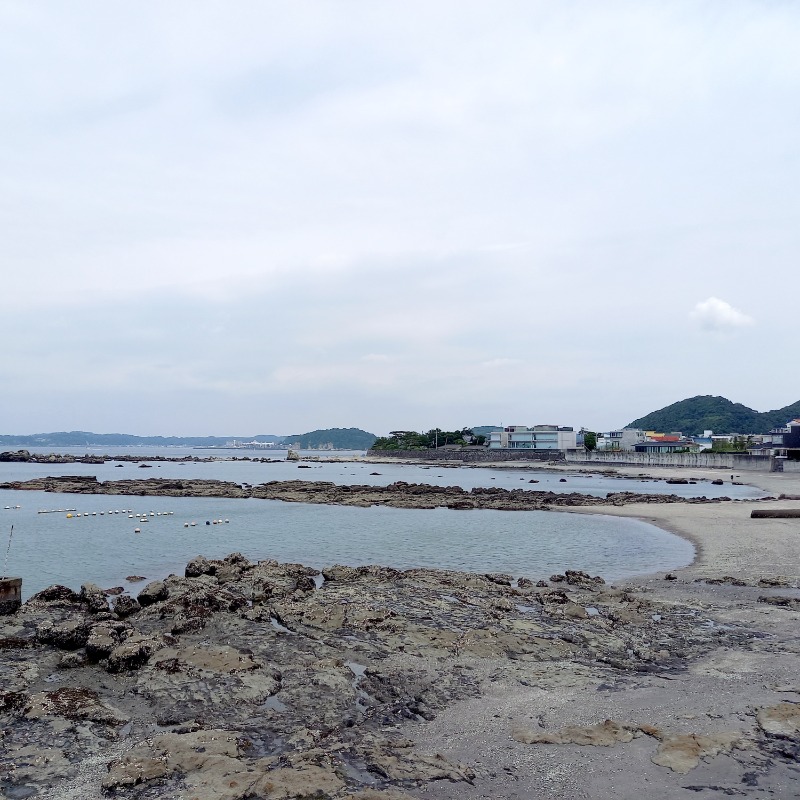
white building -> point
(625, 439)
(537, 437)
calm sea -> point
(103, 548)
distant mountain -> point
(332, 439)
(87, 439)
(707, 412)
(485, 430)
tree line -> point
(435, 437)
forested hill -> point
(331, 439)
(707, 412)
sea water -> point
(246, 470)
(101, 546)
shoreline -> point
(379, 684)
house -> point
(667, 444)
(783, 442)
(536, 437)
(625, 439)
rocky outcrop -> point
(246, 680)
(154, 592)
(397, 495)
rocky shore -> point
(266, 680)
(397, 495)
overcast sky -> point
(262, 217)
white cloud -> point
(717, 315)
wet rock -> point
(305, 583)
(782, 601)
(17, 456)
(200, 565)
(94, 598)
(75, 703)
(73, 660)
(778, 582)
(133, 653)
(500, 578)
(55, 594)
(70, 634)
(725, 579)
(126, 605)
(104, 638)
(154, 592)
(135, 578)
(578, 578)
(133, 769)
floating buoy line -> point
(141, 518)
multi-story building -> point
(783, 442)
(667, 444)
(536, 437)
(625, 439)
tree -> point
(590, 440)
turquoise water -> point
(103, 548)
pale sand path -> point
(719, 692)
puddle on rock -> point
(274, 703)
(278, 626)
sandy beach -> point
(720, 694)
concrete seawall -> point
(726, 461)
(624, 458)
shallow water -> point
(338, 472)
(103, 548)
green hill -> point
(707, 412)
(331, 439)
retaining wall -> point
(726, 461)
